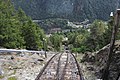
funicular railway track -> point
(62, 66)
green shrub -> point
(1, 77)
(12, 78)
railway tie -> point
(62, 66)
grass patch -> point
(12, 78)
(1, 77)
(79, 57)
(13, 73)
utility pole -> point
(118, 77)
(105, 75)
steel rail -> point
(79, 70)
(41, 72)
(58, 68)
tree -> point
(108, 32)
(97, 29)
(79, 40)
(17, 30)
(56, 41)
(22, 16)
(10, 35)
(32, 36)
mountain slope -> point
(75, 10)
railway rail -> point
(62, 66)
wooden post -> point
(45, 46)
(118, 76)
(105, 75)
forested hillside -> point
(75, 10)
(17, 30)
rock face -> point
(75, 10)
(101, 58)
(100, 61)
(60, 7)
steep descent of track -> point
(62, 66)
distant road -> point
(37, 21)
